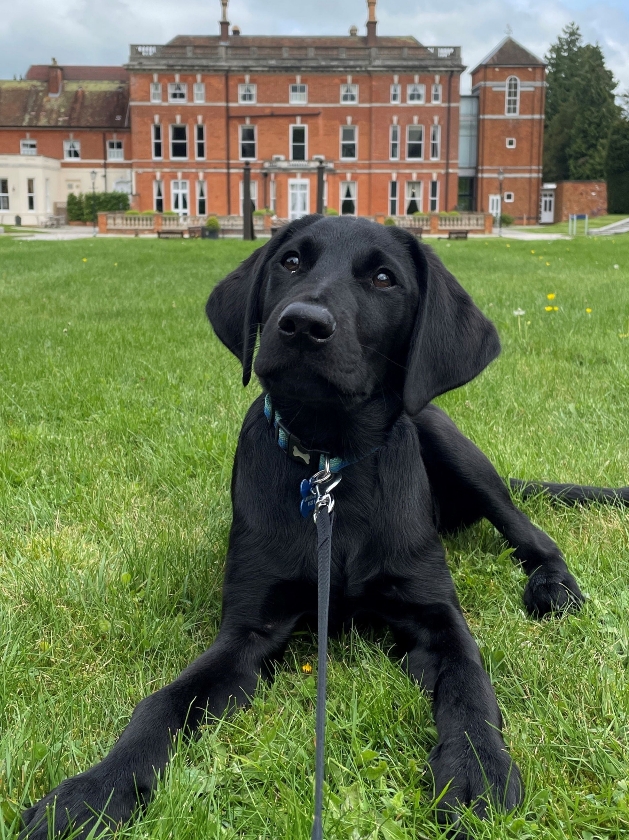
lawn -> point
(119, 413)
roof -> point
(84, 104)
(509, 53)
(293, 40)
(79, 73)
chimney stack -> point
(224, 22)
(55, 78)
(371, 24)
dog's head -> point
(345, 306)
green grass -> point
(562, 227)
(119, 413)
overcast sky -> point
(99, 31)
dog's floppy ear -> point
(452, 340)
(234, 306)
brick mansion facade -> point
(176, 126)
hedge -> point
(85, 206)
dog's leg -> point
(466, 488)
(470, 763)
(223, 677)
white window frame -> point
(408, 198)
(433, 197)
(156, 128)
(4, 194)
(200, 135)
(512, 101)
(198, 92)
(291, 131)
(241, 129)
(394, 198)
(28, 146)
(179, 157)
(158, 194)
(71, 146)
(394, 141)
(416, 93)
(30, 194)
(253, 194)
(156, 91)
(511, 142)
(396, 94)
(201, 196)
(292, 182)
(177, 92)
(115, 152)
(348, 93)
(435, 142)
(409, 128)
(436, 94)
(297, 97)
(509, 197)
(247, 94)
(176, 190)
(354, 128)
(354, 198)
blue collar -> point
(295, 449)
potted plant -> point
(211, 229)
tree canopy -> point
(580, 109)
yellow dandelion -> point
(555, 309)
(532, 252)
(551, 296)
(508, 246)
(548, 308)
(306, 668)
(547, 263)
(588, 310)
(84, 259)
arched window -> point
(512, 105)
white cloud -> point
(93, 32)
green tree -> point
(580, 109)
(617, 167)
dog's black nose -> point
(314, 322)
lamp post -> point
(93, 177)
(501, 178)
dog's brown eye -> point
(383, 280)
(291, 262)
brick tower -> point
(509, 84)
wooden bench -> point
(194, 232)
(458, 234)
(170, 234)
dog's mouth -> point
(292, 382)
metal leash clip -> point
(316, 491)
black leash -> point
(319, 491)
(324, 554)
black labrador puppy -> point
(360, 328)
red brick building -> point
(176, 126)
(57, 126)
(510, 86)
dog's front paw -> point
(548, 592)
(474, 772)
(95, 801)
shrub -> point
(213, 223)
(85, 206)
(389, 221)
(506, 219)
(330, 211)
(132, 212)
(170, 213)
(147, 213)
(263, 212)
(617, 168)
